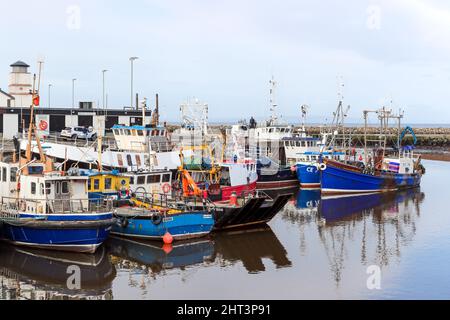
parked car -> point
(78, 132)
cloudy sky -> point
(225, 52)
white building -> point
(20, 84)
(6, 100)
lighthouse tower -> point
(20, 84)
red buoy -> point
(168, 239)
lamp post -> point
(131, 61)
(49, 97)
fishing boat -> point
(152, 216)
(220, 179)
(381, 170)
(44, 208)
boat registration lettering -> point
(168, 219)
(207, 216)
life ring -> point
(166, 188)
(156, 219)
(322, 166)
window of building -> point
(129, 161)
(131, 180)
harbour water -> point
(315, 248)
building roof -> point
(19, 64)
(6, 94)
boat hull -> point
(255, 211)
(308, 175)
(283, 178)
(76, 233)
(181, 226)
(336, 180)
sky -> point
(387, 52)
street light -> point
(131, 61)
(49, 87)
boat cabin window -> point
(96, 184)
(133, 132)
(129, 161)
(41, 189)
(48, 188)
(116, 131)
(4, 172)
(120, 160)
(141, 180)
(131, 180)
(108, 183)
(225, 177)
(138, 160)
(153, 178)
(33, 188)
(140, 132)
(64, 187)
(166, 177)
(127, 132)
(13, 174)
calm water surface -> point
(315, 248)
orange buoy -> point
(167, 239)
(167, 248)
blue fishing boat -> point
(49, 209)
(52, 211)
(151, 218)
(382, 170)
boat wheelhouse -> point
(140, 138)
(150, 181)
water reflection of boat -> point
(307, 199)
(40, 274)
(157, 256)
(335, 208)
(382, 224)
(251, 247)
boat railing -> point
(11, 205)
(107, 142)
(177, 202)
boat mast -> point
(273, 104)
